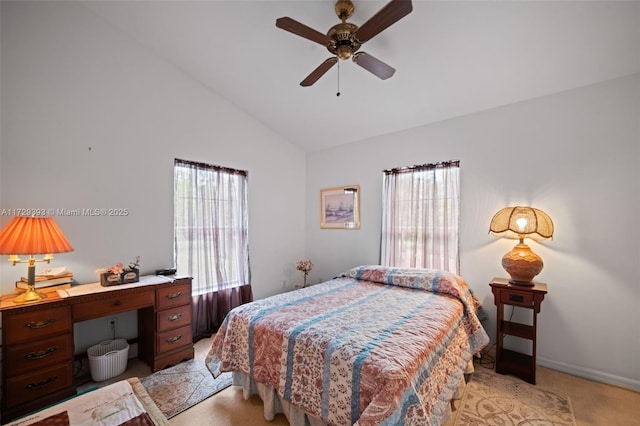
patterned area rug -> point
(182, 386)
(494, 399)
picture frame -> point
(340, 207)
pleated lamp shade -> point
(514, 222)
(519, 223)
(33, 235)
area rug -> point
(495, 399)
(180, 387)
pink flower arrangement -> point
(119, 268)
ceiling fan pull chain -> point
(338, 93)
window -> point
(211, 242)
(420, 216)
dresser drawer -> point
(517, 298)
(34, 325)
(174, 339)
(41, 383)
(27, 357)
(174, 317)
(175, 295)
(112, 305)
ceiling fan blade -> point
(302, 30)
(319, 72)
(373, 65)
(387, 16)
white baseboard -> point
(595, 375)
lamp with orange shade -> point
(31, 236)
(519, 223)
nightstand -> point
(529, 297)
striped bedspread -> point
(376, 345)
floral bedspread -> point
(376, 345)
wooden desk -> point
(38, 351)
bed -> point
(125, 403)
(374, 346)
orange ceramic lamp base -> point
(522, 264)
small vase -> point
(108, 279)
(304, 283)
(130, 276)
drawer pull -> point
(40, 324)
(516, 298)
(174, 339)
(117, 303)
(174, 317)
(174, 295)
(41, 354)
(39, 385)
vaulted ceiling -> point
(452, 58)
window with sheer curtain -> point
(211, 225)
(420, 216)
(211, 239)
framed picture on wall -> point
(340, 207)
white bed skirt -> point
(273, 404)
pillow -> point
(433, 280)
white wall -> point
(92, 120)
(575, 155)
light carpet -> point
(182, 386)
(495, 399)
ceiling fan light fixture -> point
(344, 51)
(342, 43)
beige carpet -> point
(494, 399)
(180, 387)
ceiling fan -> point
(345, 39)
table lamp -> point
(519, 223)
(32, 236)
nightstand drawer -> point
(43, 382)
(30, 326)
(40, 353)
(517, 298)
(174, 295)
(172, 318)
(174, 339)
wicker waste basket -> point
(108, 359)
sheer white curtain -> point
(420, 213)
(211, 226)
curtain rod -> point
(210, 166)
(452, 163)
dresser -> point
(38, 348)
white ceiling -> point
(452, 58)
